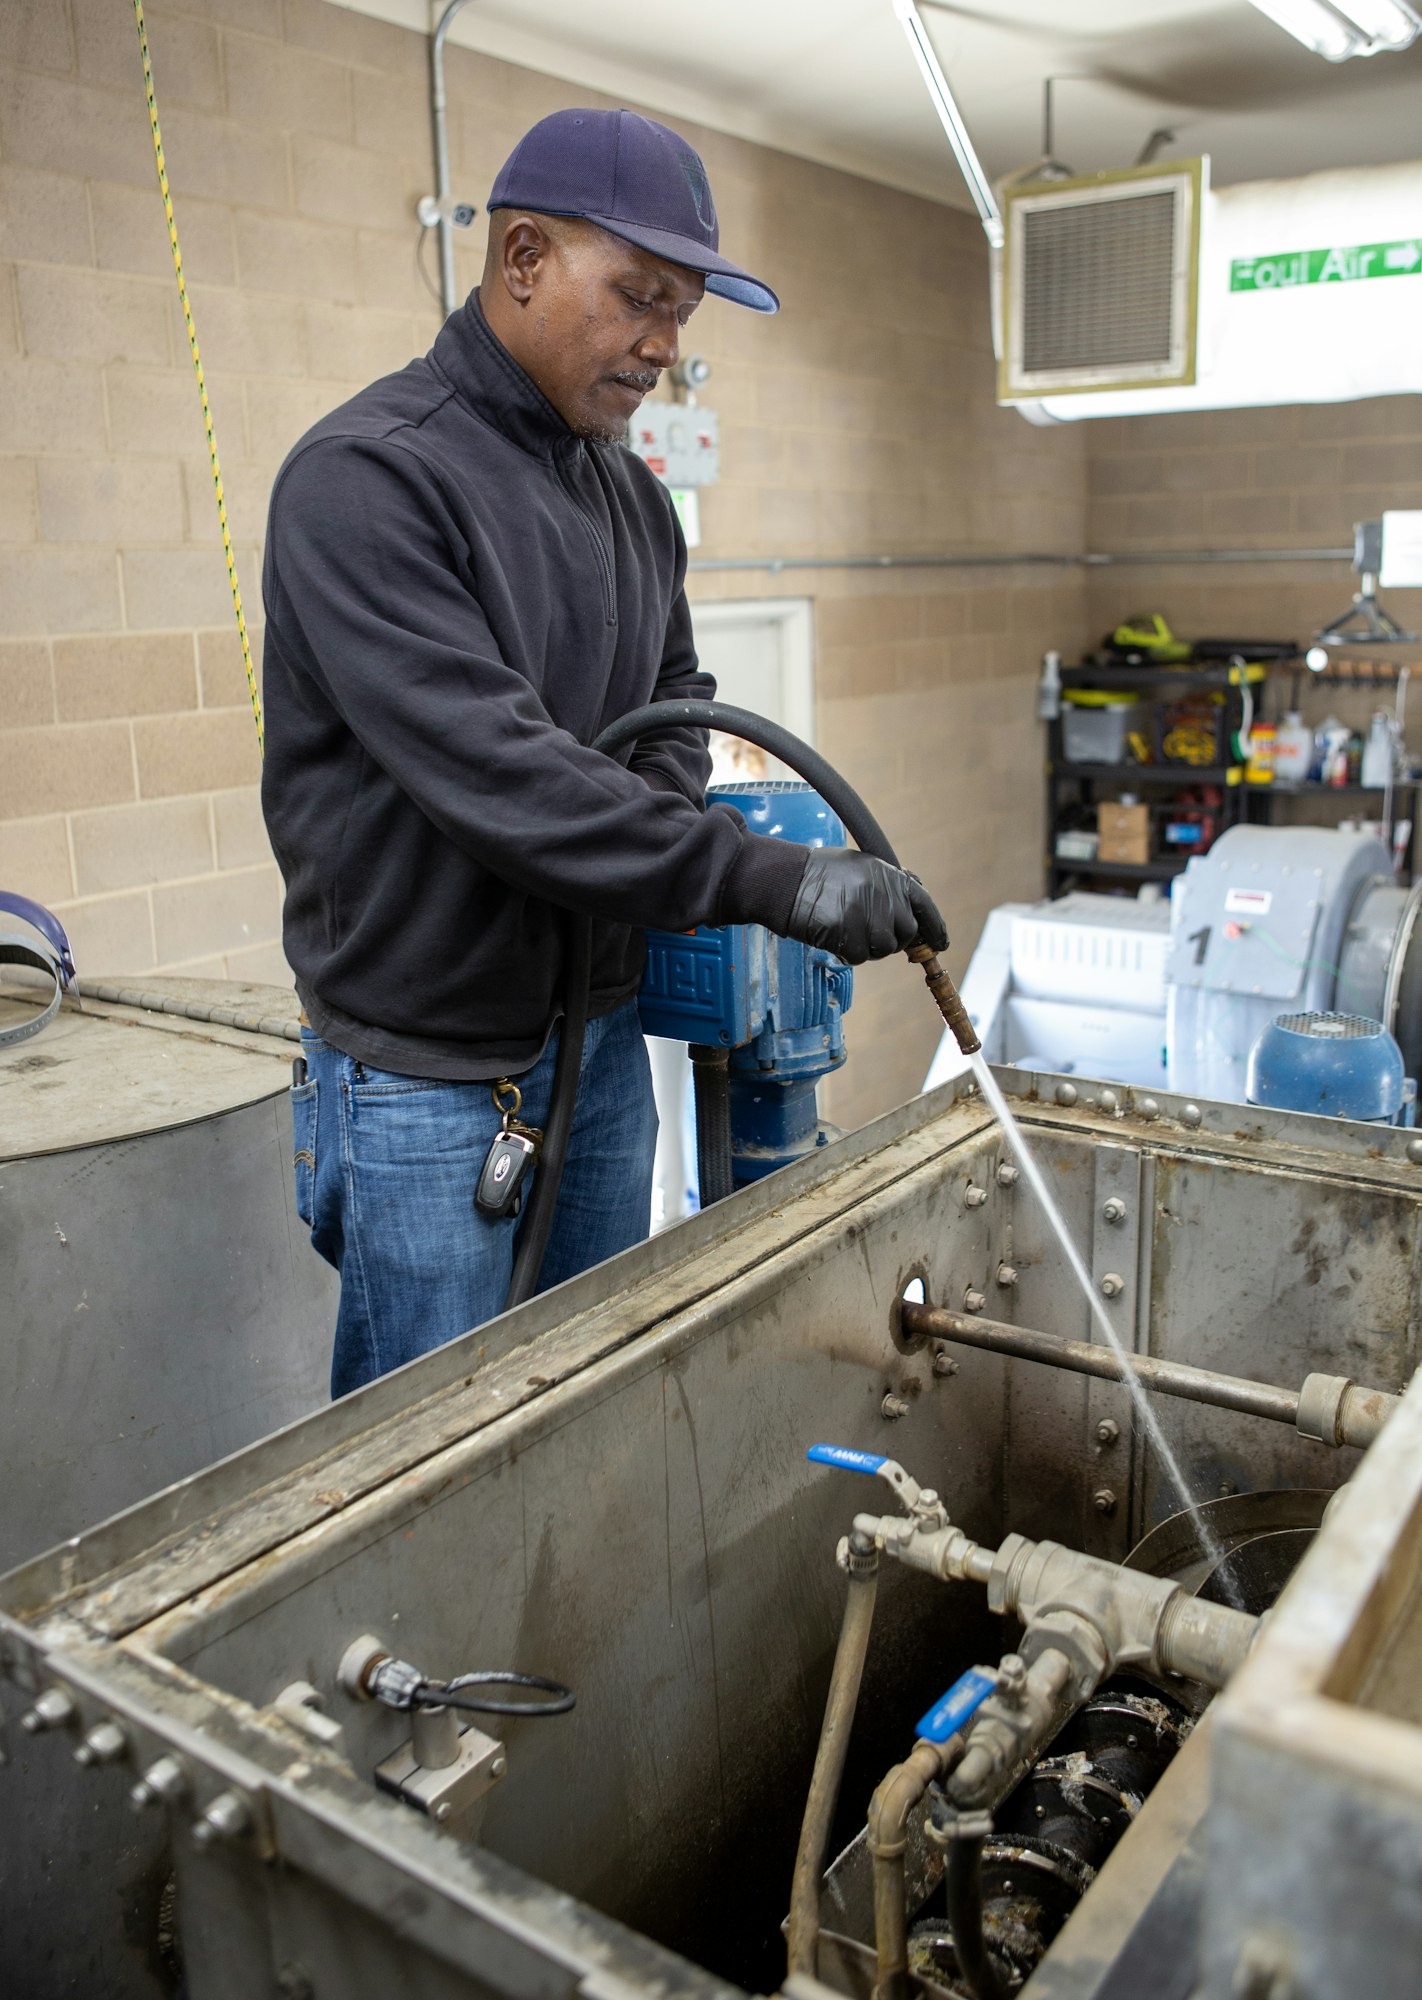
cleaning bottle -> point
(1377, 764)
(1293, 750)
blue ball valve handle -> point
(847, 1460)
(958, 1707)
(917, 1499)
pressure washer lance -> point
(950, 1003)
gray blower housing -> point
(1273, 920)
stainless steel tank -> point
(610, 1487)
(161, 1310)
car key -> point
(509, 1159)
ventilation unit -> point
(1100, 282)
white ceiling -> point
(833, 80)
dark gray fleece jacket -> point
(460, 594)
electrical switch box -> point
(679, 441)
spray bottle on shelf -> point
(1049, 688)
(1379, 752)
(1331, 740)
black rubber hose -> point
(838, 794)
(965, 1920)
(562, 1103)
(711, 1076)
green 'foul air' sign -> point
(1326, 267)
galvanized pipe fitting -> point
(1138, 1619)
(1333, 1409)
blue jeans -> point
(386, 1168)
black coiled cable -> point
(449, 1694)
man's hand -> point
(858, 907)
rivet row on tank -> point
(52, 1710)
(163, 1783)
(228, 1816)
(105, 1743)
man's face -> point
(596, 320)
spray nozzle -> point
(946, 994)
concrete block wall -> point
(860, 421)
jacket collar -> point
(486, 377)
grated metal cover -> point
(740, 786)
(1101, 283)
(1331, 1027)
(1096, 283)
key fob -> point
(500, 1190)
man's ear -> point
(522, 255)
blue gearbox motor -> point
(1338, 1065)
(777, 1007)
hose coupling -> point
(948, 1000)
(857, 1554)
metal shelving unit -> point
(1084, 784)
(1069, 783)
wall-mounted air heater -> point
(1144, 291)
(1099, 282)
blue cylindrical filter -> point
(1336, 1065)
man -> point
(467, 578)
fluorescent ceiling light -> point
(1338, 29)
(1388, 24)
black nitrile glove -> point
(858, 907)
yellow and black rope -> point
(201, 379)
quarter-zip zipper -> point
(600, 548)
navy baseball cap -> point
(637, 180)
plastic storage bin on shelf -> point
(1095, 725)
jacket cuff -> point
(761, 882)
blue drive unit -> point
(777, 1006)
